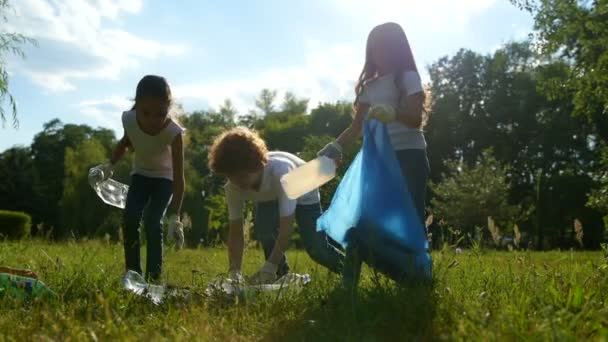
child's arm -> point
(282, 242)
(120, 149)
(107, 168)
(411, 113)
(354, 130)
(287, 212)
(334, 149)
(179, 180)
(412, 101)
(268, 273)
(236, 244)
(236, 240)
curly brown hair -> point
(238, 150)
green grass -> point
(476, 296)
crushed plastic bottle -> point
(110, 191)
(134, 282)
(227, 287)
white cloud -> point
(89, 27)
(53, 81)
(106, 112)
(112, 8)
(432, 15)
(327, 74)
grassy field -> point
(477, 295)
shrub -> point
(14, 225)
(469, 194)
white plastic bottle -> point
(308, 177)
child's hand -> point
(332, 150)
(383, 113)
(176, 231)
(359, 110)
(362, 107)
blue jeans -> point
(415, 168)
(318, 245)
(156, 193)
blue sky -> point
(91, 53)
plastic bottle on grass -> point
(227, 287)
(134, 282)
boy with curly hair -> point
(254, 174)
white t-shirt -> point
(279, 163)
(383, 90)
(153, 157)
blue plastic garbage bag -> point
(373, 210)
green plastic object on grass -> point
(22, 287)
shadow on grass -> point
(378, 311)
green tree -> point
(499, 101)
(19, 179)
(10, 43)
(265, 101)
(330, 118)
(82, 211)
(577, 31)
(286, 135)
(598, 197)
(48, 151)
(293, 105)
(202, 127)
(227, 111)
(469, 194)
(218, 219)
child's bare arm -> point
(411, 113)
(120, 149)
(354, 130)
(236, 244)
(283, 238)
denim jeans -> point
(318, 245)
(153, 195)
(415, 168)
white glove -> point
(236, 276)
(382, 112)
(332, 150)
(266, 275)
(176, 231)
